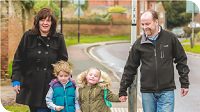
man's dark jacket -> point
(157, 69)
(32, 66)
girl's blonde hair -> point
(62, 66)
(85, 80)
(96, 69)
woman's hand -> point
(59, 108)
(16, 88)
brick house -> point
(161, 15)
(142, 5)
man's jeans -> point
(158, 102)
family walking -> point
(42, 77)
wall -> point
(15, 20)
(109, 2)
(97, 30)
(4, 37)
(20, 20)
(15, 27)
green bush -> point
(117, 9)
(104, 17)
(10, 68)
(198, 34)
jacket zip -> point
(64, 100)
(156, 66)
(155, 61)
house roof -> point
(158, 6)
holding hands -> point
(123, 98)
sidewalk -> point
(82, 60)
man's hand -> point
(16, 88)
(123, 98)
(78, 111)
(184, 91)
(59, 108)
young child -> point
(94, 93)
(62, 94)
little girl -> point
(94, 95)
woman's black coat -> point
(32, 66)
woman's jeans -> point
(158, 102)
(37, 109)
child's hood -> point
(54, 81)
(104, 81)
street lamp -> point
(61, 10)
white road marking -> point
(124, 110)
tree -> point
(28, 4)
(64, 3)
(40, 4)
(176, 13)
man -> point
(156, 49)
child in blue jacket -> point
(62, 95)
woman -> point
(32, 70)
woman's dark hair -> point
(43, 14)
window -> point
(141, 31)
(141, 6)
(145, 5)
(161, 15)
(152, 5)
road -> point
(115, 56)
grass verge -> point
(17, 108)
(74, 41)
(195, 49)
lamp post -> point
(192, 40)
(132, 97)
(61, 10)
(78, 21)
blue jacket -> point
(64, 96)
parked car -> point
(179, 32)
